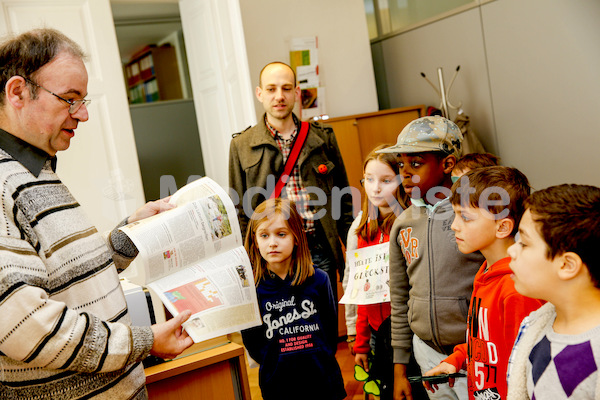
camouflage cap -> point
(433, 133)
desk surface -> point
(193, 361)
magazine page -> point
(193, 259)
(219, 291)
(203, 224)
(369, 279)
(203, 187)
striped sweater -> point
(64, 332)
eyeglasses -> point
(74, 105)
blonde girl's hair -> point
(371, 222)
(301, 266)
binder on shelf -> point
(147, 67)
(136, 94)
(135, 77)
(152, 74)
(151, 90)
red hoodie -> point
(495, 313)
(372, 314)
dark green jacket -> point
(255, 162)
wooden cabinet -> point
(153, 74)
(216, 373)
(358, 134)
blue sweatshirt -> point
(295, 346)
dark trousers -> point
(322, 255)
(382, 366)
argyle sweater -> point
(65, 330)
(547, 365)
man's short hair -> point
(25, 54)
(568, 219)
(496, 184)
(272, 63)
(477, 160)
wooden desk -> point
(217, 373)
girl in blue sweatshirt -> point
(295, 346)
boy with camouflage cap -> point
(430, 279)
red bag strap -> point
(292, 158)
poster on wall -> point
(304, 60)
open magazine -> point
(193, 258)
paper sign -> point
(369, 279)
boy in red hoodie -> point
(488, 204)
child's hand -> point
(362, 360)
(351, 340)
(443, 368)
(402, 388)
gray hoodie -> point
(431, 280)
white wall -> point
(345, 65)
(528, 79)
(445, 44)
(544, 68)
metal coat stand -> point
(443, 93)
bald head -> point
(270, 66)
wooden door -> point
(346, 134)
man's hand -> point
(443, 368)
(402, 388)
(169, 339)
(151, 208)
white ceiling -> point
(140, 23)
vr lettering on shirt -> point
(410, 245)
(307, 310)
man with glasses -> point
(74, 105)
(65, 331)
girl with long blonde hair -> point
(384, 200)
(298, 337)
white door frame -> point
(220, 77)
